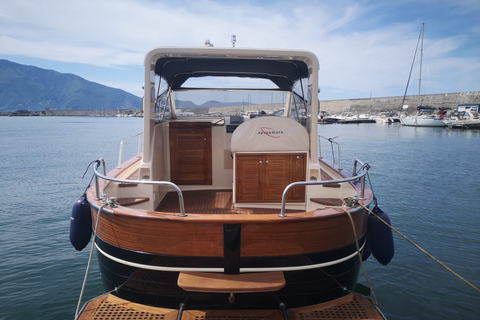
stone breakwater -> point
(366, 105)
(375, 105)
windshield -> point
(228, 96)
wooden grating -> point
(109, 307)
(209, 201)
(349, 310)
(350, 307)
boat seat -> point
(131, 201)
(231, 283)
(270, 134)
(325, 177)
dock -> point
(351, 306)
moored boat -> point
(226, 212)
(425, 117)
(465, 117)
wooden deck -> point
(209, 201)
(352, 306)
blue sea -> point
(426, 179)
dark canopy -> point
(284, 73)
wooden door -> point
(191, 153)
(249, 177)
(263, 177)
(280, 171)
(297, 173)
(277, 176)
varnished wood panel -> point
(167, 237)
(191, 153)
(277, 176)
(250, 177)
(190, 237)
(295, 237)
(231, 283)
(263, 177)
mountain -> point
(30, 88)
(209, 104)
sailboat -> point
(426, 116)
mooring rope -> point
(89, 262)
(425, 252)
(358, 251)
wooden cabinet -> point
(191, 153)
(263, 177)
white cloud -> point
(359, 49)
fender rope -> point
(358, 251)
(422, 250)
(89, 261)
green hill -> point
(30, 88)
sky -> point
(365, 48)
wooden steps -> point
(231, 283)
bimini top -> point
(283, 68)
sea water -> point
(426, 179)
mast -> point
(420, 36)
(420, 72)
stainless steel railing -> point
(357, 176)
(120, 153)
(104, 176)
(360, 175)
(339, 153)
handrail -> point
(120, 153)
(166, 183)
(365, 167)
(333, 154)
(309, 183)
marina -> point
(433, 209)
(247, 168)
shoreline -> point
(74, 113)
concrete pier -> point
(375, 105)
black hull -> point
(159, 288)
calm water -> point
(425, 178)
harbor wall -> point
(375, 105)
(366, 105)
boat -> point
(465, 117)
(349, 117)
(323, 118)
(226, 214)
(425, 116)
(382, 118)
